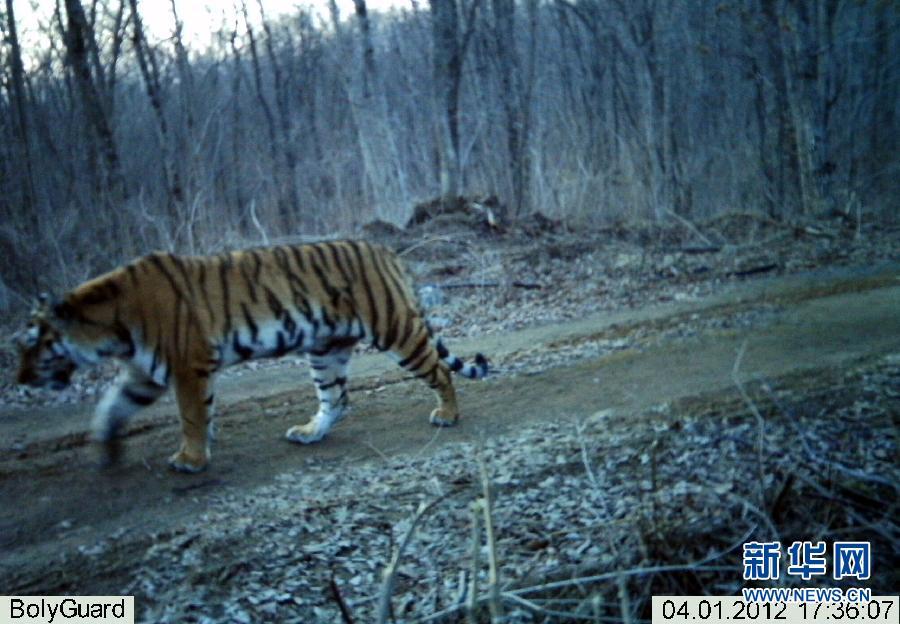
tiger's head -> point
(82, 328)
(44, 358)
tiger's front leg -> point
(329, 373)
(194, 396)
(131, 392)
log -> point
(514, 284)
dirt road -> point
(54, 501)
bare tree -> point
(21, 125)
(286, 134)
(282, 203)
(517, 82)
(449, 50)
(172, 174)
(77, 36)
(447, 75)
(386, 178)
(808, 88)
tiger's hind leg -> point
(131, 392)
(418, 354)
(329, 373)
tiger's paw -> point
(182, 462)
(305, 434)
(442, 417)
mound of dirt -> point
(483, 212)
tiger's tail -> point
(478, 370)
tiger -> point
(178, 320)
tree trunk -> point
(237, 140)
(784, 154)
(801, 112)
(171, 170)
(282, 203)
(288, 149)
(514, 96)
(115, 188)
(883, 132)
(447, 72)
(21, 125)
(386, 178)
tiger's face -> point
(44, 359)
(60, 337)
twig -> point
(762, 268)
(390, 572)
(377, 450)
(760, 512)
(814, 231)
(472, 602)
(256, 222)
(462, 587)
(494, 604)
(535, 608)
(595, 607)
(697, 249)
(780, 503)
(427, 241)
(513, 284)
(693, 228)
(579, 429)
(346, 615)
(760, 421)
(624, 600)
(424, 447)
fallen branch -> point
(255, 220)
(624, 600)
(390, 572)
(549, 613)
(513, 284)
(762, 268)
(494, 604)
(693, 228)
(427, 241)
(346, 615)
(814, 231)
(472, 601)
(760, 421)
(697, 249)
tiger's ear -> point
(40, 305)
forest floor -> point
(656, 401)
